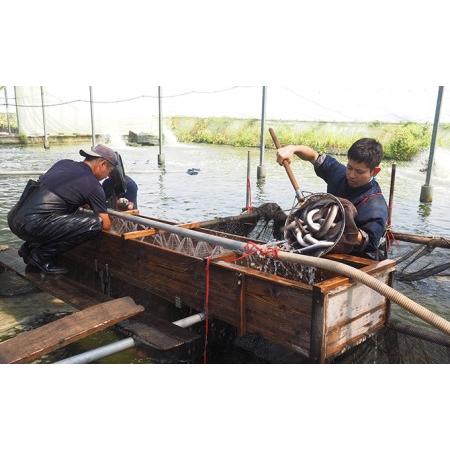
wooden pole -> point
(434, 241)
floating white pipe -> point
(124, 344)
(100, 352)
(191, 320)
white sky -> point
(294, 102)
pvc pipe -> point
(320, 263)
(100, 352)
(191, 320)
(124, 344)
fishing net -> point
(264, 225)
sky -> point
(309, 102)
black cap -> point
(101, 151)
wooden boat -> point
(319, 321)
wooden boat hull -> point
(319, 321)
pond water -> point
(219, 190)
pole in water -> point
(248, 201)
(261, 171)
(46, 144)
(426, 193)
(91, 102)
(161, 160)
(17, 110)
(391, 194)
(7, 113)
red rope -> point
(205, 347)
(249, 206)
(390, 238)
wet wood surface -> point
(139, 234)
(342, 282)
(31, 345)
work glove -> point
(123, 204)
(349, 240)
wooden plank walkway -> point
(31, 345)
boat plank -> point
(30, 345)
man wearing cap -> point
(47, 216)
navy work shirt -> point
(130, 194)
(75, 183)
(368, 199)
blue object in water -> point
(193, 171)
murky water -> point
(219, 190)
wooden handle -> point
(286, 164)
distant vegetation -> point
(4, 122)
(400, 141)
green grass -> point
(4, 120)
(400, 141)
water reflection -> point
(424, 210)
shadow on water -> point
(219, 189)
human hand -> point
(285, 153)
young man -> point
(363, 201)
(47, 217)
(120, 199)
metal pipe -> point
(123, 344)
(17, 110)
(261, 172)
(131, 172)
(91, 102)
(160, 154)
(46, 146)
(7, 113)
(215, 240)
(426, 193)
